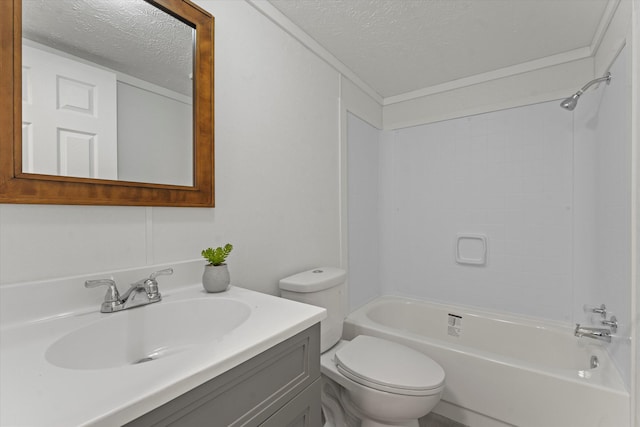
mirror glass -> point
(107, 91)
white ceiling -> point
(400, 46)
(130, 36)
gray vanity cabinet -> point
(277, 388)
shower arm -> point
(571, 102)
(606, 77)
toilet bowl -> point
(379, 382)
(385, 383)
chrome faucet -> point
(142, 292)
(602, 334)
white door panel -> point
(69, 117)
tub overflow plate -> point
(454, 325)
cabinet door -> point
(302, 411)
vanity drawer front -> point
(248, 394)
(303, 411)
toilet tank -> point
(322, 287)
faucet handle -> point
(112, 294)
(111, 301)
(151, 285)
(165, 272)
(612, 323)
(602, 310)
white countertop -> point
(34, 392)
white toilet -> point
(379, 382)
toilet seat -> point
(387, 366)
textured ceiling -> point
(399, 46)
(130, 36)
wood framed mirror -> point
(19, 185)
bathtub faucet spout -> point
(602, 334)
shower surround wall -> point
(549, 189)
(506, 175)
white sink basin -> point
(147, 333)
(53, 355)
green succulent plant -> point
(218, 255)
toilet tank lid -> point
(314, 280)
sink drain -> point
(144, 360)
(160, 352)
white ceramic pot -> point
(216, 278)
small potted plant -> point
(216, 274)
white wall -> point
(506, 175)
(364, 208)
(585, 249)
(353, 102)
(155, 142)
(277, 177)
(635, 280)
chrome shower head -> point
(571, 102)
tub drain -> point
(594, 362)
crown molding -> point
(603, 26)
(525, 67)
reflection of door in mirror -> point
(68, 117)
(119, 100)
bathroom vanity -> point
(234, 358)
(279, 387)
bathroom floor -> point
(435, 420)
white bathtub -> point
(503, 370)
